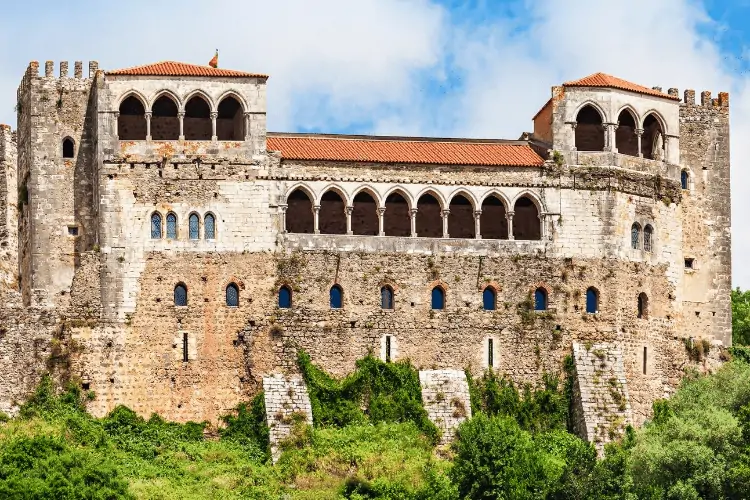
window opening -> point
(652, 140)
(635, 236)
(73, 230)
(684, 179)
(540, 299)
(648, 237)
(396, 219)
(299, 213)
(589, 131)
(185, 347)
(180, 295)
(489, 299)
(131, 122)
(156, 226)
(233, 295)
(526, 222)
(165, 126)
(197, 124)
(68, 148)
(194, 226)
(387, 348)
(490, 360)
(493, 221)
(171, 226)
(332, 215)
(626, 140)
(209, 227)
(642, 305)
(592, 301)
(285, 297)
(645, 359)
(230, 121)
(438, 298)
(386, 297)
(336, 296)
(461, 218)
(365, 215)
(429, 218)
(689, 263)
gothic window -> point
(540, 299)
(171, 226)
(635, 236)
(386, 297)
(68, 148)
(589, 132)
(526, 222)
(648, 238)
(230, 121)
(461, 218)
(592, 301)
(429, 218)
(193, 226)
(299, 213)
(396, 219)
(364, 218)
(336, 297)
(131, 123)
(684, 179)
(156, 226)
(285, 297)
(180, 295)
(197, 124)
(165, 126)
(209, 227)
(626, 139)
(332, 215)
(233, 295)
(652, 140)
(438, 298)
(489, 299)
(642, 305)
(493, 221)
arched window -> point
(68, 148)
(648, 238)
(493, 221)
(540, 299)
(131, 122)
(461, 218)
(165, 126)
(209, 227)
(438, 298)
(684, 179)
(526, 222)
(194, 226)
(429, 218)
(233, 295)
(156, 226)
(180, 295)
(364, 218)
(489, 299)
(396, 219)
(386, 297)
(592, 300)
(230, 121)
(171, 226)
(635, 236)
(589, 132)
(197, 124)
(299, 213)
(285, 297)
(642, 305)
(332, 214)
(336, 297)
(626, 140)
(652, 140)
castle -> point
(164, 249)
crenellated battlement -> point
(32, 70)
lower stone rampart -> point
(287, 404)
(445, 395)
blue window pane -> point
(194, 223)
(285, 297)
(336, 296)
(592, 301)
(684, 179)
(635, 236)
(386, 298)
(438, 298)
(540, 299)
(171, 226)
(180, 295)
(488, 298)
(233, 295)
(209, 227)
(156, 226)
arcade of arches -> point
(591, 134)
(397, 218)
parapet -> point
(722, 101)
(32, 71)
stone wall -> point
(445, 396)
(287, 404)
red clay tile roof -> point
(172, 68)
(604, 80)
(403, 150)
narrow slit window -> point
(635, 237)
(490, 357)
(592, 301)
(285, 297)
(645, 359)
(648, 238)
(233, 295)
(209, 227)
(540, 299)
(438, 298)
(171, 226)
(387, 348)
(684, 179)
(156, 226)
(185, 356)
(336, 297)
(386, 297)
(642, 305)
(489, 299)
(194, 226)
(180, 295)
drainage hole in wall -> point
(85, 386)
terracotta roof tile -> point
(404, 150)
(172, 68)
(604, 80)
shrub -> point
(248, 427)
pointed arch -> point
(171, 226)
(685, 179)
(592, 300)
(194, 225)
(209, 226)
(338, 190)
(232, 295)
(429, 214)
(180, 295)
(653, 138)
(230, 119)
(635, 236)
(197, 124)
(201, 93)
(405, 194)
(493, 223)
(131, 118)
(68, 148)
(397, 216)
(299, 212)
(165, 126)
(371, 191)
(164, 93)
(386, 297)
(589, 132)
(236, 95)
(461, 217)
(156, 226)
(332, 214)
(135, 94)
(626, 138)
(643, 305)
(527, 210)
(336, 297)
(365, 219)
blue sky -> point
(415, 67)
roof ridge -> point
(390, 138)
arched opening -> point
(489, 299)
(684, 180)
(131, 122)
(642, 305)
(493, 223)
(68, 148)
(626, 140)
(365, 215)
(165, 126)
(635, 236)
(438, 298)
(652, 140)
(285, 297)
(197, 125)
(592, 300)
(156, 226)
(299, 213)
(429, 219)
(171, 226)
(589, 130)
(233, 295)
(461, 218)
(194, 227)
(332, 215)
(526, 223)
(180, 295)
(396, 220)
(209, 227)
(386, 297)
(540, 299)
(230, 122)
(648, 238)
(336, 297)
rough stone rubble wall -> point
(287, 404)
(445, 395)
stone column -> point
(413, 219)
(247, 126)
(148, 125)
(116, 115)
(214, 116)
(543, 225)
(445, 213)
(316, 219)
(509, 216)
(181, 118)
(381, 230)
(614, 137)
(639, 133)
(349, 211)
(477, 232)
(282, 212)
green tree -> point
(740, 317)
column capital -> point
(509, 213)
(316, 208)
(413, 211)
(349, 210)
(639, 132)
(446, 212)
(283, 207)
(381, 210)
(214, 115)
(180, 114)
(148, 114)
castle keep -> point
(160, 246)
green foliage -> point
(375, 392)
(740, 317)
(248, 427)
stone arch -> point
(230, 118)
(165, 125)
(493, 223)
(429, 214)
(653, 138)
(527, 212)
(131, 120)
(686, 179)
(592, 300)
(180, 294)
(489, 298)
(157, 223)
(197, 124)
(202, 94)
(589, 131)
(461, 217)
(397, 215)
(210, 223)
(232, 295)
(643, 305)
(365, 219)
(194, 226)
(438, 297)
(635, 236)
(237, 95)
(299, 212)
(332, 214)
(68, 148)
(626, 139)
(171, 231)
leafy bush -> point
(248, 428)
